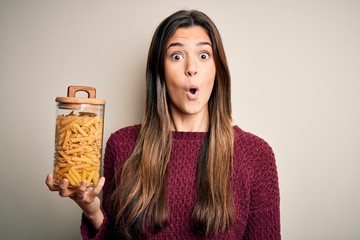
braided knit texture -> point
(254, 181)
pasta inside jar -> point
(78, 144)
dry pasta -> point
(78, 145)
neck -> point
(190, 122)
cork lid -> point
(71, 98)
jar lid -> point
(72, 99)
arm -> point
(118, 148)
(264, 216)
(98, 226)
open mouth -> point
(192, 90)
(193, 93)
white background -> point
(295, 69)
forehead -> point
(193, 33)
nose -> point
(191, 67)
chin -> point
(194, 111)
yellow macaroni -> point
(78, 145)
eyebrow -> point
(178, 44)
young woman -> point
(185, 172)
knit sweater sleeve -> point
(264, 216)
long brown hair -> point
(139, 200)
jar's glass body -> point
(78, 143)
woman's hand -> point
(85, 197)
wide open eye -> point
(176, 56)
(204, 56)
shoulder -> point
(122, 141)
(258, 158)
(254, 152)
(124, 135)
(249, 142)
(120, 145)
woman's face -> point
(189, 71)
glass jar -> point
(78, 137)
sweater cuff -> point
(88, 231)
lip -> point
(190, 95)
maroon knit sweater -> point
(255, 186)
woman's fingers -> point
(81, 190)
(82, 193)
(88, 194)
(99, 186)
(84, 196)
(49, 183)
(64, 191)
